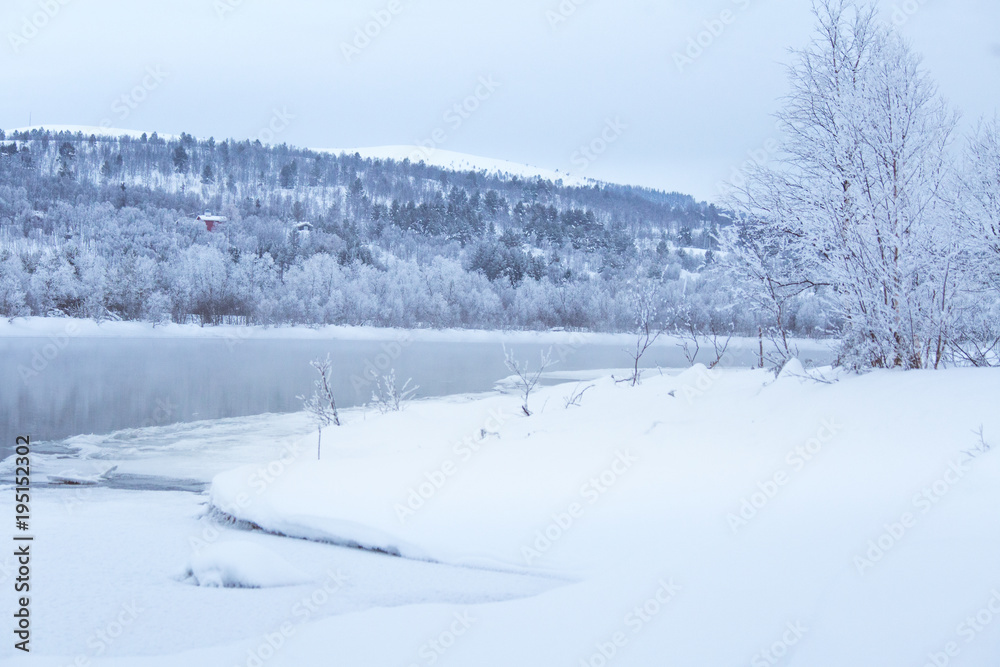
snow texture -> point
(241, 565)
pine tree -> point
(181, 160)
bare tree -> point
(526, 379)
(647, 329)
(981, 447)
(767, 268)
(718, 334)
(576, 396)
(387, 396)
(321, 405)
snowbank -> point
(704, 518)
(241, 565)
(743, 517)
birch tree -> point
(858, 193)
(979, 225)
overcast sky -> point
(557, 78)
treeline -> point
(105, 228)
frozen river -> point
(56, 388)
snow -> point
(95, 130)
(792, 369)
(452, 160)
(108, 586)
(81, 479)
(58, 327)
(436, 157)
(704, 517)
(678, 459)
(240, 564)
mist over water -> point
(102, 385)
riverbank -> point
(58, 327)
(707, 518)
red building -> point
(211, 220)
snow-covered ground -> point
(702, 518)
(109, 572)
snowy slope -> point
(435, 157)
(828, 524)
(88, 130)
(444, 159)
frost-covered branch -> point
(322, 406)
(526, 379)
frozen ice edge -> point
(215, 513)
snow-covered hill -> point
(435, 157)
(462, 162)
(91, 129)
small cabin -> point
(211, 220)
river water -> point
(102, 385)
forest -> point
(105, 227)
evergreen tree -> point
(181, 160)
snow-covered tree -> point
(525, 379)
(978, 216)
(858, 198)
(981, 197)
(322, 406)
(648, 327)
